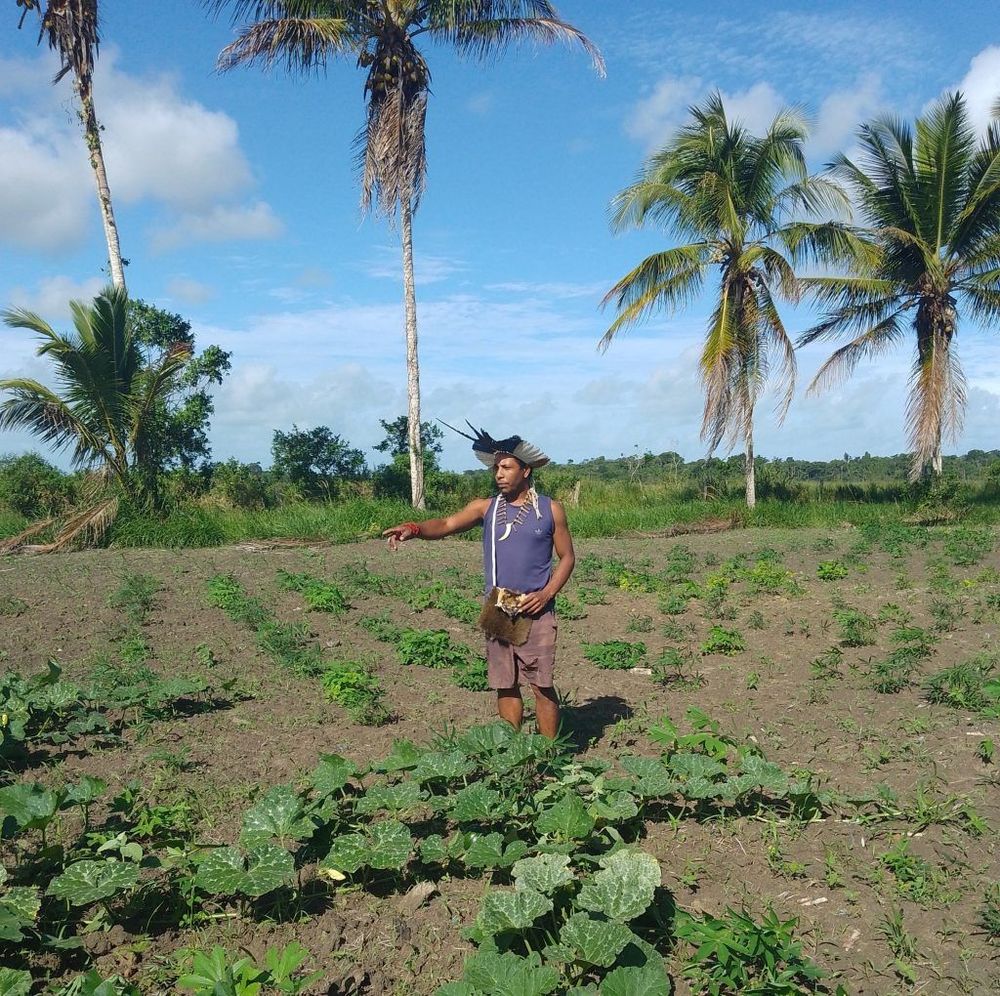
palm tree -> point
(730, 193)
(71, 28)
(108, 398)
(932, 204)
(303, 34)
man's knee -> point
(545, 692)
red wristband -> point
(413, 527)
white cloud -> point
(159, 146)
(754, 107)
(842, 111)
(427, 268)
(47, 198)
(188, 291)
(51, 297)
(222, 223)
(479, 103)
(981, 86)
(654, 118)
(165, 147)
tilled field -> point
(769, 708)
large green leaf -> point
(511, 910)
(765, 774)
(278, 813)
(650, 980)
(268, 868)
(544, 873)
(476, 803)
(19, 908)
(225, 870)
(508, 974)
(86, 791)
(91, 881)
(220, 872)
(331, 774)
(485, 741)
(624, 887)
(568, 819)
(487, 851)
(433, 849)
(26, 807)
(347, 853)
(689, 765)
(653, 781)
(400, 798)
(390, 844)
(595, 942)
(615, 807)
(443, 764)
(14, 982)
(403, 757)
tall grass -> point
(605, 509)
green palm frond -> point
(42, 412)
(829, 243)
(944, 147)
(486, 38)
(299, 44)
(664, 281)
(775, 334)
(875, 341)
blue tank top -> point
(524, 558)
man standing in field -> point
(520, 530)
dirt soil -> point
(829, 873)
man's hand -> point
(401, 533)
(534, 602)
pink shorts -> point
(533, 662)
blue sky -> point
(237, 204)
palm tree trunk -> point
(751, 476)
(92, 135)
(937, 464)
(412, 361)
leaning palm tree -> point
(71, 28)
(931, 201)
(730, 194)
(303, 34)
(106, 404)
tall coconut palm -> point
(931, 200)
(107, 394)
(71, 29)
(731, 194)
(303, 34)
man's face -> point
(510, 474)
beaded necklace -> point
(511, 527)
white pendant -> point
(506, 532)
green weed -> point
(618, 655)
(723, 641)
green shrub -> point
(32, 487)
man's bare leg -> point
(510, 706)
(546, 711)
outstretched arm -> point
(468, 518)
(535, 601)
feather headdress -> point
(486, 447)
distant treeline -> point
(976, 466)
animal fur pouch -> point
(501, 618)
